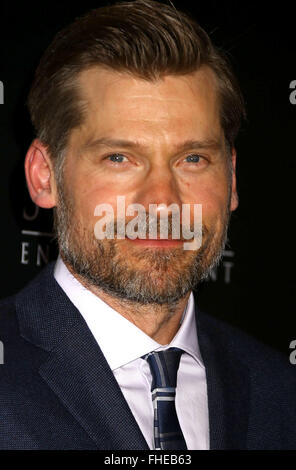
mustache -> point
(148, 225)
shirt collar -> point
(120, 340)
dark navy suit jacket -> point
(58, 392)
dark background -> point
(254, 288)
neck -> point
(160, 322)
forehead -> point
(118, 102)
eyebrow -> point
(214, 144)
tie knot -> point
(164, 367)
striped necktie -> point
(164, 367)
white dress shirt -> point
(123, 344)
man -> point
(106, 349)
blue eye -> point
(116, 158)
(193, 158)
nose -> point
(159, 187)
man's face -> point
(153, 143)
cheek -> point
(88, 200)
(213, 198)
(89, 191)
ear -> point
(40, 175)
(234, 195)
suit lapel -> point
(80, 376)
(75, 369)
(228, 385)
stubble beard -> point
(144, 276)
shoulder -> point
(23, 306)
(264, 362)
